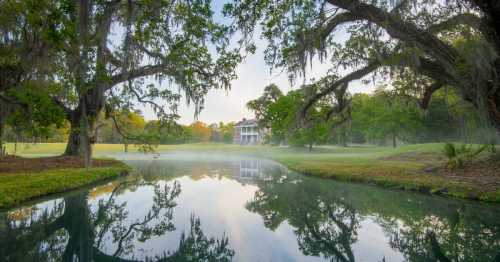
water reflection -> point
(250, 171)
(326, 218)
(74, 230)
(257, 211)
(247, 171)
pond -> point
(191, 207)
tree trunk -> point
(493, 102)
(310, 147)
(344, 137)
(85, 140)
(79, 123)
(2, 148)
(15, 145)
(73, 145)
(79, 140)
(80, 229)
(394, 139)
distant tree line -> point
(129, 128)
(385, 117)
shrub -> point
(457, 155)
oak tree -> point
(448, 43)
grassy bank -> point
(22, 184)
(407, 176)
(410, 167)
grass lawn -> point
(402, 168)
(25, 179)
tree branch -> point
(156, 55)
(336, 21)
(399, 29)
(59, 103)
(360, 73)
(10, 101)
(425, 66)
(433, 70)
(112, 59)
(139, 72)
(469, 19)
(428, 91)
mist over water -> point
(183, 205)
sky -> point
(253, 76)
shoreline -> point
(412, 167)
(435, 185)
(18, 188)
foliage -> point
(105, 53)
(388, 116)
(200, 132)
(458, 154)
(26, 65)
(442, 44)
(378, 117)
(260, 106)
(39, 112)
(382, 116)
(279, 113)
(222, 133)
(126, 127)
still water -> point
(188, 207)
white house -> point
(247, 132)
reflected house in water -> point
(249, 171)
(247, 132)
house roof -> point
(247, 122)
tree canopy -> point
(444, 43)
(114, 55)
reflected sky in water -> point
(192, 207)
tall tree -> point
(285, 126)
(117, 54)
(386, 116)
(200, 132)
(260, 105)
(450, 43)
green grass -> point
(406, 176)
(367, 164)
(16, 188)
(324, 151)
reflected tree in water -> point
(326, 218)
(325, 226)
(73, 230)
(195, 246)
(459, 234)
